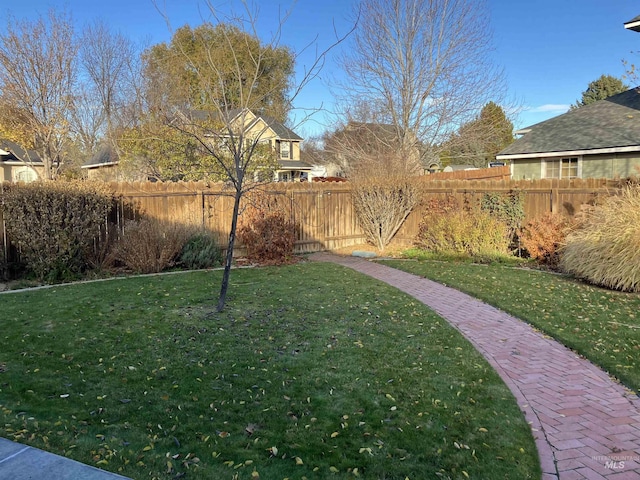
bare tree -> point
(38, 72)
(225, 130)
(370, 149)
(422, 67)
(107, 61)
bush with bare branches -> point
(150, 246)
(382, 204)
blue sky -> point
(549, 49)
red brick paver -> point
(586, 426)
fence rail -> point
(324, 212)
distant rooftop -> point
(633, 24)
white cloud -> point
(549, 108)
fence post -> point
(202, 208)
(554, 200)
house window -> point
(561, 168)
(25, 174)
(285, 150)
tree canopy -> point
(420, 66)
(477, 142)
(214, 67)
(601, 88)
(38, 70)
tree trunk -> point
(229, 257)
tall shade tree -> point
(198, 70)
(421, 66)
(38, 71)
(601, 88)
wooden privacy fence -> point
(324, 212)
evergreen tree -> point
(478, 141)
(599, 89)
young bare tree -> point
(38, 71)
(217, 113)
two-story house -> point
(282, 140)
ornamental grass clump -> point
(605, 249)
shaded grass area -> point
(313, 371)
(603, 325)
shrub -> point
(506, 207)
(543, 237)
(201, 251)
(439, 205)
(150, 246)
(605, 248)
(54, 224)
(266, 231)
(475, 234)
(383, 204)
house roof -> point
(607, 126)
(11, 152)
(633, 24)
(104, 157)
(294, 165)
(281, 130)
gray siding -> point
(614, 165)
(527, 168)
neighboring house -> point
(360, 146)
(458, 168)
(600, 140)
(284, 142)
(103, 165)
(19, 165)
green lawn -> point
(602, 325)
(313, 371)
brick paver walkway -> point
(586, 425)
